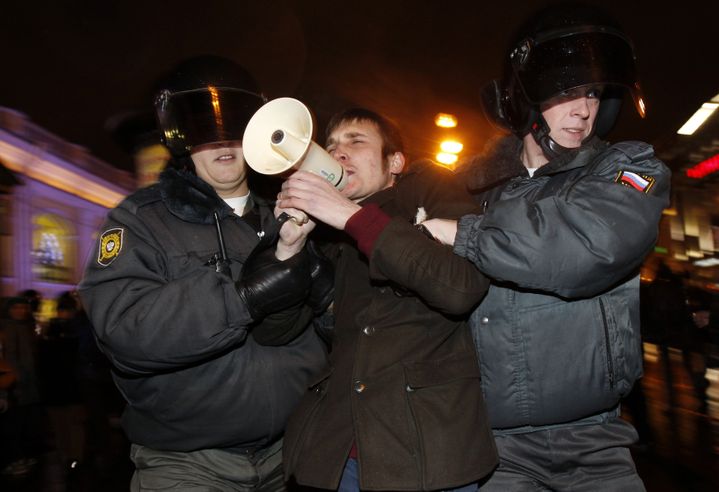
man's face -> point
(571, 114)
(357, 146)
(222, 166)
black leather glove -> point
(269, 285)
(322, 273)
(282, 327)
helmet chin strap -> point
(540, 131)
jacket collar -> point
(502, 162)
(190, 198)
(497, 165)
(573, 159)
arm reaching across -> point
(443, 230)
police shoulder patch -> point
(110, 245)
(640, 182)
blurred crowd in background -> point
(57, 397)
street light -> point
(446, 158)
(448, 148)
(451, 146)
(445, 120)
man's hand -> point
(293, 233)
(443, 230)
(317, 197)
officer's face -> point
(571, 114)
(222, 166)
(357, 146)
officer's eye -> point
(594, 93)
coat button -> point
(484, 320)
(359, 386)
(368, 330)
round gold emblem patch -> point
(110, 246)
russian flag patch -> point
(640, 182)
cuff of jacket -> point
(366, 225)
(467, 228)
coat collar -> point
(190, 198)
(502, 162)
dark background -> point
(72, 65)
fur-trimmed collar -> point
(190, 198)
(498, 163)
(502, 162)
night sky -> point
(71, 66)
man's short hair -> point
(391, 138)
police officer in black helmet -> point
(201, 298)
(564, 222)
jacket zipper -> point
(610, 364)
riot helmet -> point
(562, 49)
(205, 99)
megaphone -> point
(278, 138)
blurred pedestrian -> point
(58, 369)
(23, 419)
(665, 322)
(35, 299)
(7, 379)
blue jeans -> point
(350, 480)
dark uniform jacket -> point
(403, 382)
(176, 330)
(558, 333)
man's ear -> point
(396, 163)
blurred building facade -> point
(53, 199)
(689, 233)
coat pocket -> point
(444, 399)
(302, 421)
(426, 374)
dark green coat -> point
(404, 380)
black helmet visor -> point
(201, 116)
(559, 61)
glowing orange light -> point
(451, 146)
(445, 120)
(216, 106)
(446, 158)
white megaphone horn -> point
(278, 137)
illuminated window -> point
(53, 248)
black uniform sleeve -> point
(581, 240)
(146, 321)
